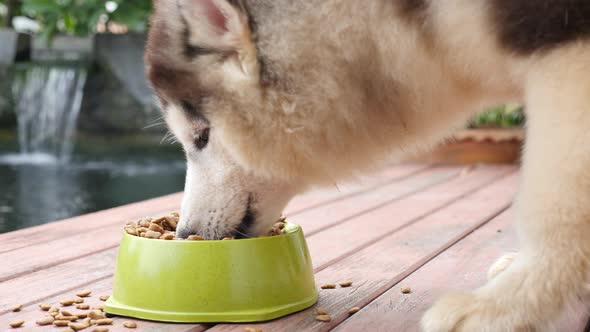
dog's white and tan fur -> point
(271, 97)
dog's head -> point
(261, 109)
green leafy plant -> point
(81, 17)
(506, 116)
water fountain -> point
(47, 103)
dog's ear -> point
(220, 26)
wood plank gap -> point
(381, 205)
(56, 263)
(360, 192)
(411, 222)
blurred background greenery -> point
(79, 17)
(506, 116)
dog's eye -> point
(202, 139)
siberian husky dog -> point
(271, 97)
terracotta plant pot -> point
(488, 145)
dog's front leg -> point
(553, 210)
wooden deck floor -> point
(431, 228)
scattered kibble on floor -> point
(354, 310)
(346, 283)
(323, 318)
(328, 286)
(100, 329)
(321, 311)
(16, 323)
(47, 320)
(67, 302)
(129, 324)
(17, 308)
(44, 306)
(406, 290)
(252, 329)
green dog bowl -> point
(244, 280)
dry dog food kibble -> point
(44, 307)
(321, 311)
(104, 297)
(346, 283)
(406, 290)
(167, 236)
(354, 310)
(95, 314)
(328, 286)
(45, 321)
(16, 323)
(104, 321)
(66, 303)
(79, 300)
(81, 314)
(17, 308)
(84, 293)
(100, 329)
(61, 322)
(78, 326)
(129, 325)
(65, 313)
(164, 228)
(252, 329)
(82, 306)
(323, 318)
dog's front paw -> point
(470, 312)
(448, 313)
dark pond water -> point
(37, 188)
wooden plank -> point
(87, 223)
(334, 243)
(463, 266)
(314, 221)
(377, 267)
(323, 196)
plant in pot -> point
(492, 136)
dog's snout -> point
(182, 232)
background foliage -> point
(81, 17)
(503, 116)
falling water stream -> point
(47, 104)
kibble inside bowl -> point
(159, 277)
(164, 228)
